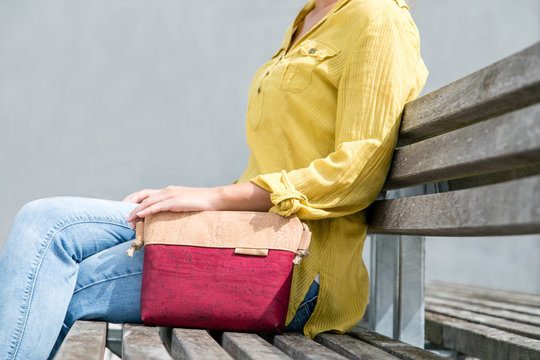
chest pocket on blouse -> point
(299, 71)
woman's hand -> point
(243, 196)
(139, 196)
(172, 198)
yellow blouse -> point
(322, 123)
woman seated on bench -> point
(322, 124)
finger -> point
(149, 201)
(133, 224)
(131, 197)
(166, 205)
(128, 198)
(138, 196)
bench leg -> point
(396, 307)
(383, 284)
(410, 321)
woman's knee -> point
(37, 209)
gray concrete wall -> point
(101, 98)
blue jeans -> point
(65, 260)
(304, 311)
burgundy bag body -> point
(219, 270)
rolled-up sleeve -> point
(380, 75)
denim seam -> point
(105, 280)
(304, 304)
(34, 271)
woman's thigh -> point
(108, 287)
(40, 261)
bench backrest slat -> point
(508, 208)
(507, 141)
(493, 178)
(509, 84)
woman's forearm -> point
(239, 197)
(243, 196)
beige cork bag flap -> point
(248, 232)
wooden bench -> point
(87, 340)
(467, 164)
(484, 323)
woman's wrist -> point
(242, 196)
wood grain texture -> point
(509, 208)
(479, 340)
(85, 341)
(530, 331)
(392, 346)
(506, 142)
(509, 84)
(141, 342)
(502, 305)
(489, 293)
(486, 310)
(300, 347)
(250, 347)
(494, 177)
(195, 344)
(353, 348)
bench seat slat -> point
(250, 347)
(195, 344)
(486, 310)
(509, 84)
(479, 340)
(488, 293)
(530, 331)
(508, 141)
(300, 347)
(509, 208)
(395, 347)
(450, 295)
(85, 341)
(141, 342)
(353, 348)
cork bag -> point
(219, 270)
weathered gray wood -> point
(300, 347)
(195, 344)
(443, 293)
(486, 310)
(510, 208)
(509, 84)
(508, 141)
(392, 346)
(141, 342)
(165, 333)
(488, 320)
(250, 347)
(479, 340)
(353, 348)
(85, 341)
(493, 178)
(488, 293)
